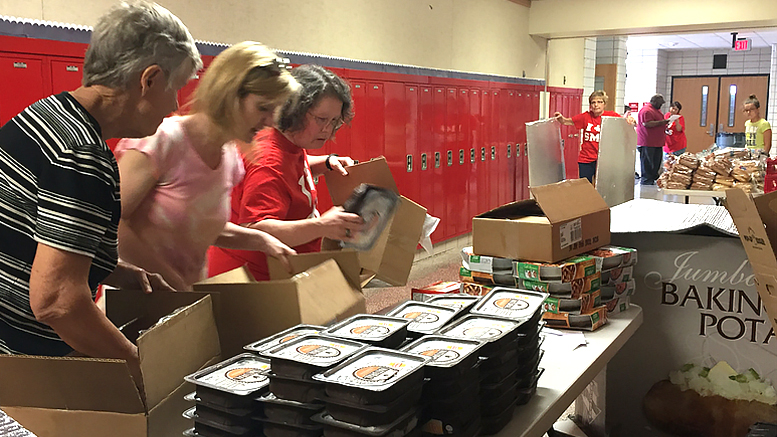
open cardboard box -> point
(562, 220)
(324, 287)
(756, 220)
(76, 397)
(392, 256)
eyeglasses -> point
(324, 123)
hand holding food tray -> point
(376, 206)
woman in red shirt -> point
(277, 194)
(676, 141)
(591, 123)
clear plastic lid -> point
(317, 350)
(424, 317)
(282, 337)
(443, 351)
(487, 329)
(457, 301)
(368, 327)
(240, 375)
(510, 303)
(374, 369)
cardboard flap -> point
(751, 228)
(44, 422)
(68, 383)
(568, 199)
(767, 210)
(192, 334)
(240, 275)
(347, 259)
(399, 252)
(325, 295)
(374, 172)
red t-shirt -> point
(277, 185)
(592, 127)
(675, 140)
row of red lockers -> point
(457, 147)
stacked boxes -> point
(618, 284)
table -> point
(567, 373)
(717, 196)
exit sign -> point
(742, 44)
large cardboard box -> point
(323, 287)
(756, 220)
(76, 397)
(697, 291)
(392, 256)
(563, 219)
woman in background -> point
(278, 195)
(176, 183)
(758, 131)
(675, 142)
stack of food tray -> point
(224, 397)
(618, 284)
(374, 393)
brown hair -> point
(245, 68)
(753, 100)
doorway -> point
(713, 104)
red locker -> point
(22, 84)
(395, 116)
(505, 150)
(477, 153)
(462, 126)
(494, 167)
(530, 115)
(375, 125)
(431, 122)
(445, 178)
(413, 179)
(66, 74)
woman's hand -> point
(340, 225)
(338, 164)
(131, 277)
(276, 248)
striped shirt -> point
(59, 186)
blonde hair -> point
(598, 93)
(245, 68)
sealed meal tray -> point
(499, 278)
(609, 257)
(618, 275)
(623, 289)
(210, 428)
(461, 302)
(576, 287)
(381, 331)
(371, 415)
(566, 304)
(295, 389)
(450, 357)
(286, 411)
(201, 430)
(483, 263)
(241, 375)
(585, 322)
(309, 354)
(218, 419)
(438, 387)
(510, 303)
(374, 375)
(425, 318)
(565, 271)
(282, 337)
(376, 206)
(401, 426)
(496, 332)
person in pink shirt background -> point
(176, 184)
(650, 139)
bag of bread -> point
(721, 166)
(662, 180)
(680, 168)
(720, 187)
(724, 180)
(681, 178)
(669, 162)
(688, 160)
(676, 185)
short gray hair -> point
(317, 82)
(134, 36)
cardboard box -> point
(564, 219)
(324, 287)
(756, 220)
(76, 397)
(392, 256)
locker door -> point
(519, 133)
(66, 75)
(463, 199)
(450, 182)
(375, 113)
(496, 170)
(478, 153)
(505, 149)
(414, 179)
(531, 115)
(395, 117)
(474, 137)
(357, 131)
(22, 84)
(435, 128)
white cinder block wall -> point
(613, 50)
(589, 70)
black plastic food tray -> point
(418, 326)
(289, 368)
(277, 429)
(373, 415)
(437, 371)
(225, 401)
(523, 395)
(282, 337)
(490, 347)
(212, 416)
(454, 405)
(375, 205)
(496, 389)
(498, 374)
(391, 341)
(495, 423)
(206, 428)
(530, 367)
(291, 412)
(402, 426)
(470, 430)
(296, 389)
(507, 355)
(451, 387)
(498, 403)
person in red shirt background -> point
(277, 194)
(675, 142)
(591, 124)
